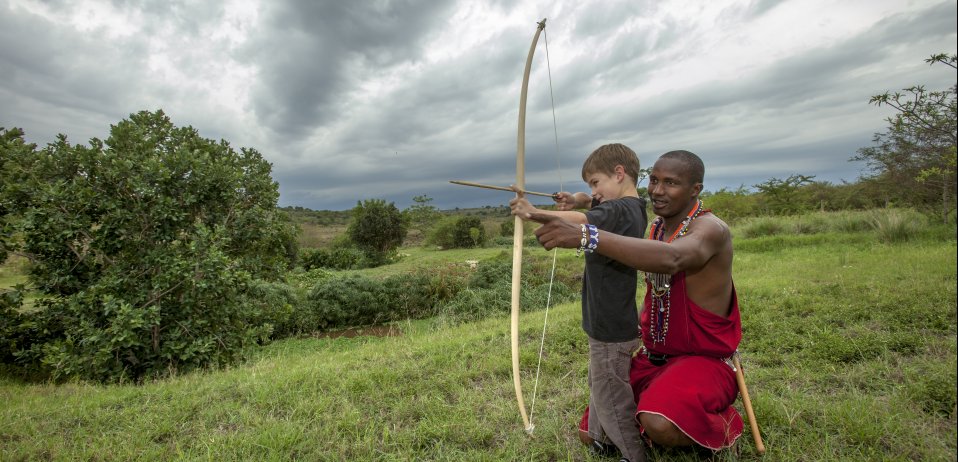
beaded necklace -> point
(661, 284)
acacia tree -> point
(422, 215)
(142, 246)
(914, 158)
(778, 195)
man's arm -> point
(690, 253)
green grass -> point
(849, 351)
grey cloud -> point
(309, 52)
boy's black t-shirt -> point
(609, 310)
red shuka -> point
(696, 387)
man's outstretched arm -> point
(691, 252)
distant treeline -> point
(794, 195)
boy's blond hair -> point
(606, 157)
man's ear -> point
(697, 189)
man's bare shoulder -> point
(711, 226)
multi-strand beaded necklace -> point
(662, 283)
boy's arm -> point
(566, 201)
(522, 208)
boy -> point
(609, 312)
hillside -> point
(849, 353)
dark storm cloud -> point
(309, 53)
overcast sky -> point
(391, 99)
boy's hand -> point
(556, 232)
(565, 201)
(520, 205)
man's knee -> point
(662, 431)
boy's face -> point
(606, 187)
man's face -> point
(670, 188)
(604, 187)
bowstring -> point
(555, 251)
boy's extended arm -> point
(522, 208)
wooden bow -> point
(518, 234)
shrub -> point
(507, 228)
(340, 258)
(349, 301)
(458, 232)
(144, 246)
(273, 305)
(377, 227)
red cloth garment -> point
(695, 388)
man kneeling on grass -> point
(682, 378)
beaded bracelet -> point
(593, 238)
(590, 239)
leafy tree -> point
(779, 196)
(377, 227)
(913, 160)
(11, 146)
(143, 246)
(422, 215)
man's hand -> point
(556, 232)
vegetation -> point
(849, 352)
(458, 232)
(377, 227)
(158, 256)
(142, 248)
(915, 155)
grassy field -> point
(849, 351)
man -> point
(682, 379)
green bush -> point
(507, 228)
(350, 301)
(273, 305)
(340, 258)
(458, 232)
(143, 247)
(377, 227)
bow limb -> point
(518, 232)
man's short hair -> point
(606, 157)
(693, 164)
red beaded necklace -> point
(661, 284)
(657, 231)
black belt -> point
(657, 360)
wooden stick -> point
(747, 402)
(499, 188)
